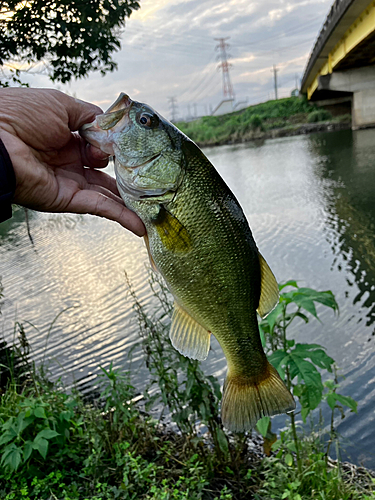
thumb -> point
(80, 112)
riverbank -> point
(57, 444)
(281, 118)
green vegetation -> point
(55, 445)
(74, 37)
(319, 115)
(255, 122)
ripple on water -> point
(305, 199)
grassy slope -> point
(253, 122)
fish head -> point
(149, 162)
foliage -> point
(300, 365)
(246, 123)
(73, 38)
(316, 478)
(319, 115)
(59, 445)
(191, 397)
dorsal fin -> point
(188, 336)
(269, 290)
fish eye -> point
(148, 120)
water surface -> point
(310, 203)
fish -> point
(199, 240)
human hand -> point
(53, 165)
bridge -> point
(340, 74)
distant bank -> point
(278, 118)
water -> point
(310, 204)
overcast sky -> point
(168, 49)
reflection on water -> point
(350, 206)
(310, 204)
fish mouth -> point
(98, 132)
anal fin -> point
(269, 289)
(188, 336)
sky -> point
(168, 50)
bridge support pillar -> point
(359, 81)
(363, 109)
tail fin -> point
(246, 400)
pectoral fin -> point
(269, 291)
(172, 233)
(188, 336)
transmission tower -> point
(275, 70)
(173, 107)
(224, 65)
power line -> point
(224, 65)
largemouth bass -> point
(199, 240)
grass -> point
(59, 445)
(255, 121)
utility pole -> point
(173, 107)
(195, 109)
(224, 65)
(275, 70)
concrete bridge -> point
(340, 74)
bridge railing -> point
(338, 9)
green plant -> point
(191, 397)
(300, 364)
(319, 115)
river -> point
(310, 201)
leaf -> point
(303, 316)
(307, 372)
(262, 336)
(332, 398)
(271, 319)
(222, 441)
(41, 445)
(288, 283)
(288, 459)
(306, 304)
(326, 298)
(278, 358)
(39, 412)
(8, 436)
(11, 457)
(26, 422)
(27, 449)
(262, 425)
(347, 401)
(304, 413)
(46, 434)
(317, 355)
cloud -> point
(168, 49)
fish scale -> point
(198, 238)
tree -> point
(73, 37)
